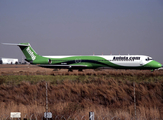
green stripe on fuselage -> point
(89, 61)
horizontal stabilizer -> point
(15, 44)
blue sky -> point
(82, 27)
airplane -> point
(80, 62)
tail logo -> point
(31, 54)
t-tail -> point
(27, 50)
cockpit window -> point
(149, 58)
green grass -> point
(59, 79)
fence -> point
(78, 117)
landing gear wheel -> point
(70, 70)
(80, 70)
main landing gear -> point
(80, 70)
(70, 70)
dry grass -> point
(105, 97)
(35, 70)
(107, 93)
(69, 109)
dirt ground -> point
(28, 69)
(15, 69)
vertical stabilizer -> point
(27, 50)
(29, 53)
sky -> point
(82, 27)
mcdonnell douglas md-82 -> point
(88, 62)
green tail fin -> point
(29, 53)
(27, 50)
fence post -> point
(91, 115)
(135, 102)
(46, 100)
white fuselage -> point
(122, 60)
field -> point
(108, 93)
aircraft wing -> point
(64, 66)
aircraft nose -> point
(157, 64)
(154, 64)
